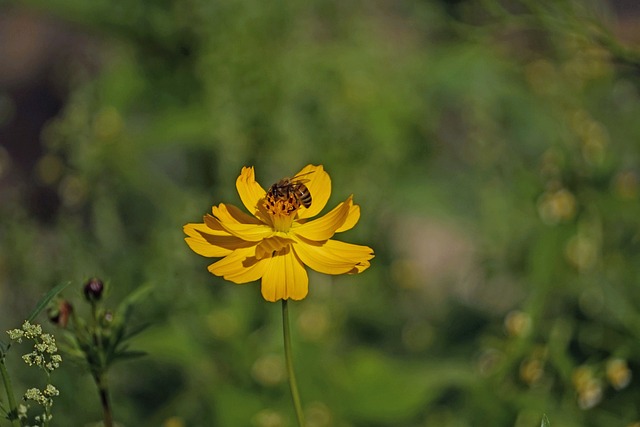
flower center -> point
(282, 208)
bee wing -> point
(297, 179)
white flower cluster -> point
(45, 356)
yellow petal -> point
(239, 224)
(211, 243)
(209, 226)
(213, 224)
(324, 227)
(352, 219)
(285, 278)
(251, 193)
(333, 256)
(319, 186)
(240, 266)
(230, 213)
(358, 253)
(348, 250)
(267, 247)
(248, 232)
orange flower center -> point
(282, 209)
(286, 204)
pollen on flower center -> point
(281, 209)
(287, 206)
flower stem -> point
(103, 390)
(13, 408)
(288, 359)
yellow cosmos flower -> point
(279, 238)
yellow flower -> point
(279, 239)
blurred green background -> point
(493, 147)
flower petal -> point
(230, 213)
(214, 226)
(211, 243)
(319, 185)
(267, 247)
(352, 219)
(359, 253)
(250, 191)
(240, 266)
(285, 278)
(235, 222)
(248, 232)
(324, 228)
(333, 256)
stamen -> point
(281, 205)
(282, 211)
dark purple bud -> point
(93, 289)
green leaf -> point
(72, 352)
(545, 421)
(3, 347)
(132, 299)
(45, 300)
(132, 332)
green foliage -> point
(46, 299)
(102, 338)
(492, 147)
(41, 305)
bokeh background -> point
(493, 146)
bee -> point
(292, 189)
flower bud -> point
(60, 315)
(108, 317)
(93, 290)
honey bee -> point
(292, 189)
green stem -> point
(103, 390)
(288, 359)
(13, 408)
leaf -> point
(545, 421)
(45, 300)
(132, 332)
(133, 298)
(3, 347)
(72, 352)
(3, 411)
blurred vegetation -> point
(493, 147)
